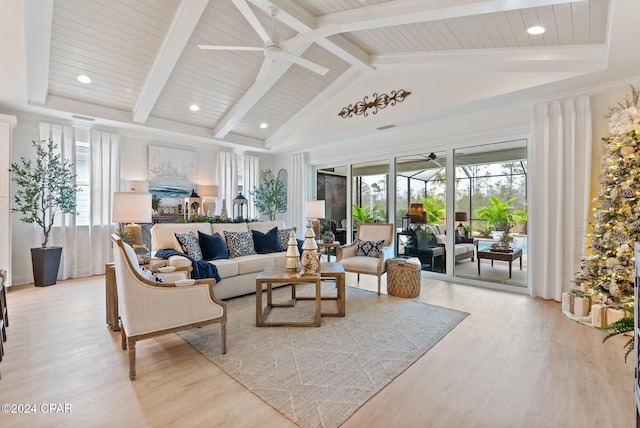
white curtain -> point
(63, 233)
(251, 180)
(227, 180)
(297, 192)
(86, 248)
(560, 169)
(104, 181)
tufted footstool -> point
(403, 277)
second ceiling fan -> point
(273, 50)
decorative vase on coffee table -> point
(310, 257)
(293, 256)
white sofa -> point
(462, 250)
(238, 274)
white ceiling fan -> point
(273, 50)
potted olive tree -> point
(270, 196)
(46, 187)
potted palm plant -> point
(499, 217)
(46, 188)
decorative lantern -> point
(406, 222)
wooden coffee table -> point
(507, 256)
(280, 275)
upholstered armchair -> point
(367, 254)
(148, 308)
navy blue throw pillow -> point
(299, 243)
(457, 237)
(265, 243)
(212, 246)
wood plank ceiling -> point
(144, 61)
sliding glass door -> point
(421, 188)
(491, 204)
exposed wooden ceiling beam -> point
(254, 94)
(411, 12)
(38, 19)
(302, 22)
(184, 22)
(553, 58)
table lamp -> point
(314, 210)
(461, 216)
(208, 192)
(132, 208)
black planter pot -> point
(45, 263)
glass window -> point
(369, 192)
(83, 171)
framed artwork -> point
(172, 173)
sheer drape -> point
(297, 193)
(86, 248)
(227, 180)
(64, 231)
(251, 179)
(560, 168)
(105, 173)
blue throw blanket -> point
(201, 268)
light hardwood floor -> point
(514, 362)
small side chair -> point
(356, 257)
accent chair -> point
(148, 308)
(369, 251)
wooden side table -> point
(328, 246)
(113, 319)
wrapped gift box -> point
(578, 306)
(602, 315)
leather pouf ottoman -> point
(403, 277)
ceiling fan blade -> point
(264, 69)
(311, 36)
(316, 68)
(230, 48)
(251, 17)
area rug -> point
(318, 377)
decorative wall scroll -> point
(379, 102)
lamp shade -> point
(131, 207)
(461, 216)
(207, 190)
(314, 209)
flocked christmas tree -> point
(609, 270)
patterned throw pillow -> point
(283, 237)
(190, 244)
(239, 243)
(369, 248)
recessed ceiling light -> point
(536, 29)
(264, 125)
(194, 107)
(82, 78)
